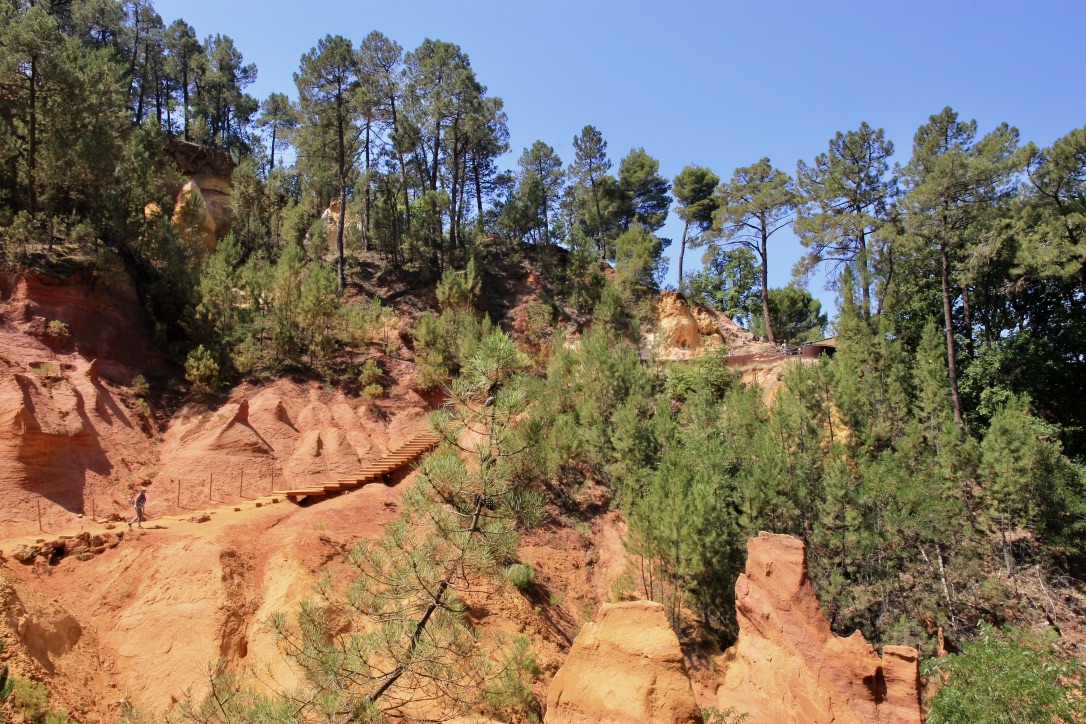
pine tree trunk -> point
(682, 252)
(32, 140)
(403, 168)
(143, 93)
(340, 271)
(366, 203)
(478, 189)
(454, 192)
(185, 97)
(865, 277)
(967, 314)
(765, 287)
(948, 321)
(601, 244)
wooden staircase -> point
(391, 462)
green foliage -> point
(458, 532)
(728, 282)
(754, 205)
(538, 192)
(458, 291)
(226, 695)
(1027, 480)
(708, 374)
(796, 316)
(847, 196)
(509, 694)
(645, 191)
(139, 387)
(443, 342)
(1011, 677)
(521, 575)
(58, 329)
(7, 683)
(730, 715)
(202, 371)
(694, 188)
(611, 313)
(30, 700)
(638, 260)
(371, 372)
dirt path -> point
(180, 594)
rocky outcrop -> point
(685, 329)
(210, 174)
(330, 218)
(787, 665)
(624, 667)
(677, 326)
(192, 217)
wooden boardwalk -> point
(377, 470)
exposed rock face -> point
(210, 172)
(60, 415)
(624, 667)
(787, 665)
(686, 330)
(677, 325)
(330, 217)
(192, 217)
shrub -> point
(142, 407)
(458, 290)
(30, 700)
(1010, 676)
(7, 683)
(443, 342)
(47, 372)
(202, 371)
(139, 386)
(58, 329)
(371, 372)
(520, 575)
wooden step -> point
(391, 462)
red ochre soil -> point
(140, 621)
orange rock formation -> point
(787, 666)
(624, 667)
(685, 329)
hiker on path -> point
(138, 502)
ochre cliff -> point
(624, 667)
(787, 666)
(210, 178)
(685, 329)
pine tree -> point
(644, 190)
(408, 643)
(754, 205)
(279, 116)
(328, 87)
(847, 193)
(589, 166)
(540, 186)
(952, 177)
(693, 189)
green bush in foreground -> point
(30, 700)
(1008, 677)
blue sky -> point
(720, 84)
